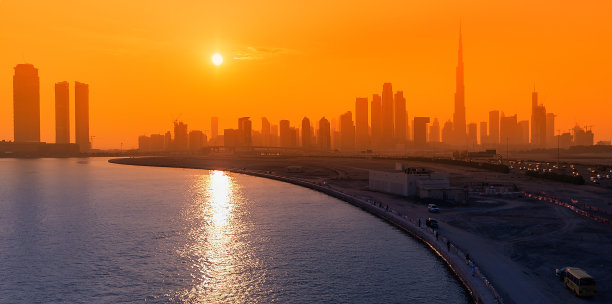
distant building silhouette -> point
(81, 120)
(245, 130)
(347, 132)
(306, 134)
(582, 137)
(420, 132)
(362, 138)
(275, 138)
(376, 121)
(551, 141)
(181, 139)
(447, 132)
(62, 112)
(26, 104)
(494, 127)
(472, 135)
(324, 135)
(214, 127)
(285, 133)
(459, 124)
(266, 132)
(434, 131)
(508, 130)
(523, 127)
(197, 140)
(157, 142)
(387, 116)
(400, 117)
(538, 122)
(168, 141)
(484, 140)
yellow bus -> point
(580, 282)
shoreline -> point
(477, 285)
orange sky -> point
(148, 62)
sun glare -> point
(217, 59)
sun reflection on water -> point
(220, 190)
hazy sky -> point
(148, 62)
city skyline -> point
(145, 86)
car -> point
(432, 223)
(433, 208)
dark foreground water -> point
(86, 231)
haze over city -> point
(146, 67)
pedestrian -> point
(436, 235)
(473, 269)
(419, 222)
(447, 245)
(467, 257)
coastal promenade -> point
(514, 243)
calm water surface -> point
(86, 231)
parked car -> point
(433, 208)
(432, 223)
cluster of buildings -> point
(26, 116)
(382, 124)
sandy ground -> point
(517, 242)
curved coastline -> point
(477, 286)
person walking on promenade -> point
(419, 222)
(447, 245)
(436, 233)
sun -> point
(217, 59)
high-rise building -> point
(362, 137)
(447, 132)
(420, 131)
(472, 135)
(306, 134)
(324, 136)
(62, 113)
(434, 131)
(509, 132)
(266, 132)
(285, 133)
(376, 121)
(459, 114)
(347, 132)
(26, 104)
(538, 122)
(523, 128)
(168, 141)
(181, 139)
(400, 117)
(196, 140)
(81, 119)
(387, 115)
(582, 137)
(550, 130)
(245, 131)
(214, 127)
(275, 138)
(494, 127)
(484, 140)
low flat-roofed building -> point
(415, 182)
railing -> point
(573, 205)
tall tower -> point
(387, 115)
(459, 115)
(26, 104)
(376, 121)
(400, 117)
(62, 113)
(81, 113)
(362, 127)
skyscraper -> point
(285, 133)
(244, 131)
(324, 136)
(214, 127)
(181, 138)
(81, 112)
(26, 104)
(447, 132)
(494, 127)
(347, 132)
(472, 135)
(459, 114)
(420, 131)
(306, 134)
(387, 115)
(550, 130)
(434, 131)
(400, 117)
(361, 123)
(538, 122)
(509, 132)
(484, 138)
(62, 113)
(376, 121)
(266, 132)
(523, 132)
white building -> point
(415, 182)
